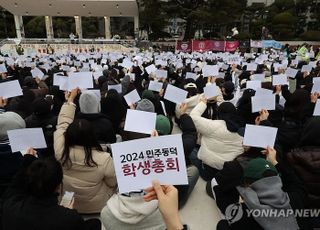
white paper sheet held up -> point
(22, 139)
(262, 92)
(211, 91)
(279, 79)
(253, 84)
(10, 89)
(175, 94)
(140, 121)
(306, 68)
(267, 102)
(316, 87)
(210, 70)
(83, 80)
(259, 136)
(132, 97)
(317, 109)
(151, 69)
(155, 86)
(127, 64)
(252, 67)
(258, 77)
(191, 75)
(290, 72)
(132, 159)
(161, 73)
(3, 68)
(37, 73)
(118, 87)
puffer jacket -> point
(218, 144)
(306, 163)
(92, 186)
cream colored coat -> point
(93, 186)
(218, 144)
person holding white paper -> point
(114, 109)
(88, 171)
(43, 117)
(9, 161)
(90, 110)
(299, 106)
(193, 99)
(227, 90)
(220, 141)
(304, 79)
(259, 177)
(40, 180)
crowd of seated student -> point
(79, 126)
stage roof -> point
(87, 8)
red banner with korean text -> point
(218, 46)
(184, 46)
(201, 46)
(207, 45)
(231, 46)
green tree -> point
(35, 27)
(284, 25)
(7, 28)
(153, 17)
(198, 13)
(63, 26)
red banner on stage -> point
(231, 46)
(218, 46)
(184, 46)
(201, 46)
(207, 45)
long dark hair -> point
(80, 132)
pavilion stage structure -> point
(71, 8)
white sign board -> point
(137, 163)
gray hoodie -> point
(265, 194)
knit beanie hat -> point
(145, 105)
(163, 125)
(147, 94)
(10, 121)
(89, 103)
(257, 167)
